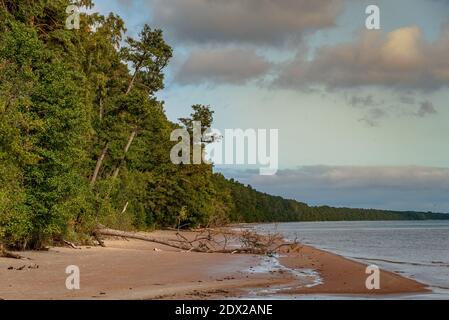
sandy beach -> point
(133, 269)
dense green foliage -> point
(253, 206)
(84, 140)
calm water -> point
(416, 249)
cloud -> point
(373, 116)
(376, 109)
(401, 59)
(220, 66)
(426, 109)
(367, 101)
(407, 100)
(267, 22)
(398, 188)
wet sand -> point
(343, 276)
(133, 269)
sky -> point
(362, 114)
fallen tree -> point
(209, 241)
(6, 254)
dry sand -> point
(132, 269)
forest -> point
(84, 139)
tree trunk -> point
(125, 208)
(99, 163)
(101, 110)
(105, 149)
(125, 152)
(182, 245)
(131, 235)
(6, 254)
(133, 79)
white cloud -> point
(401, 59)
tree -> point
(148, 56)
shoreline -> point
(133, 269)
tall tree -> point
(148, 55)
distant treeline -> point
(253, 206)
(84, 140)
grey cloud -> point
(398, 188)
(363, 101)
(268, 22)
(357, 101)
(407, 100)
(401, 59)
(375, 110)
(219, 66)
(373, 116)
(426, 109)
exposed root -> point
(97, 237)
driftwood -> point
(209, 241)
(6, 254)
(137, 236)
(97, 237)
(70, 244)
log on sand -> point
(185, 245)
(6, 254)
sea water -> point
(415, 249)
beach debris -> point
(210, 241)
(7, 254)
(97, 237)
(70, 244)
(157, 250)
(24, 267)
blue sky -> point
(351, 104)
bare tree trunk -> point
(6, 254)
(131, 235)
(101, 110)
(125, 208)
(133, 79)
(125, 152)
(99, 163)
(206, 242)
(105, 149)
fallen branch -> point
(6, 254)
(70, 244)
(206, 242)
(130, 235)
